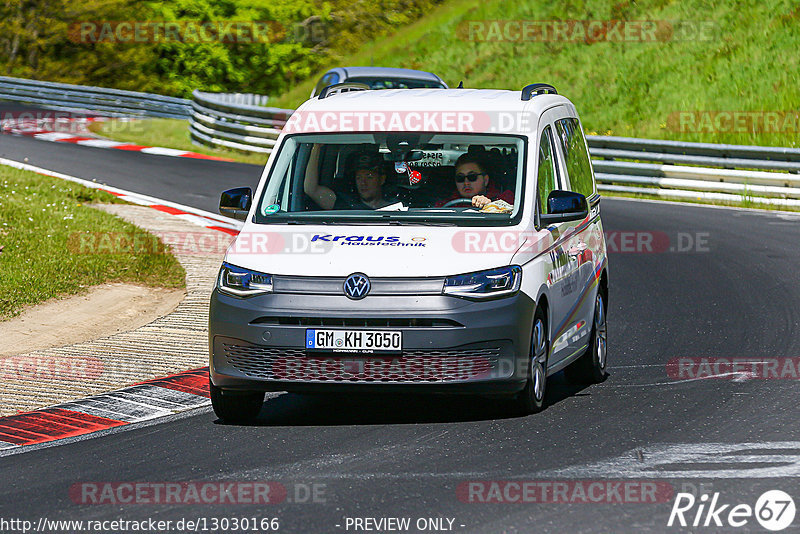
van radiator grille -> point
(361, 322)
(413, 366)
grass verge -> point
(726, 57)
(168, 133)
(378, 52)
(41, 219)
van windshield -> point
(408, 178)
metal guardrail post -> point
(235, 121)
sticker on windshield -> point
(272, 208)
(434, 159)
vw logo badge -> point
(356, 286)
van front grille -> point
(413, 366)
(358, 322)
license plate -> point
(361, 341)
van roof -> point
(486, 101)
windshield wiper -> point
(362, 220)
(422, 223)
(368, 222)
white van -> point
(415, 240)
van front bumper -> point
(450, 345)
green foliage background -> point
(35, 43)
(748, 62)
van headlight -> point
(493, 283)
(241, 282)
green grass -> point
(378, 52)
(42, 221)
(169, 133)
(619, 88)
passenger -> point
(369, 175)
(472, 181)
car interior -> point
(435, 182)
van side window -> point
(546, 173)
(577, 158)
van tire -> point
(236, 408)
(590, 368)
(532, 397)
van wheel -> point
(531, 398)
(590, 368)
(237, 408)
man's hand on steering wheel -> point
(480, 201)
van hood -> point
(377, 251)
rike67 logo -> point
(774, 510)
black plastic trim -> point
(537, 89)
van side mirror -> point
(564, 206)
(236, 202)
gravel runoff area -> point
(175, 342)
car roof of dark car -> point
(389, 72)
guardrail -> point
(83, 98)
(670, 169)
(696, 171)
(243, 99)
(223, 120)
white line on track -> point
(161, 151)
(768, 459)
(739, 376)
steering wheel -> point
(457, 201)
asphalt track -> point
(736, 295)
(192, 183)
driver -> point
(369, 175)
(473, 182)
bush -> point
(42, 39)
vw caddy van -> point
(414, 241)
